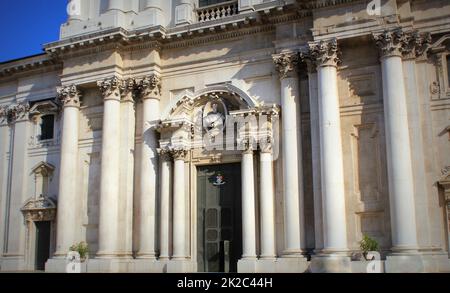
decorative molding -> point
(324, 53)
(69, 96)
(42, 209)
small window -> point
(47, 127)
(448, 69)
(203, 3)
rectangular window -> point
(47, 127)
(203, 3)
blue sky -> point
(25, 25)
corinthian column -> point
(400, 174)
(110, 169)
(287, 66)
(149, 89)
(180, 220)
(67, 216)
(325, 55)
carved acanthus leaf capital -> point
(165, 154)
(324, 53)
(110, 88)
(391, 43)
(418, 44)
(396, 42)
(150, 87)
(179, 153)
(69, 96)
(286, 64)
(127, 89)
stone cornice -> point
(28, 64)
(69, 96)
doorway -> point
(42, 244)
(219, 217)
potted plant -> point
(367, 245)
(83, 250)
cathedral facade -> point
(230, 136)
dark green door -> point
(219, 217)
(42, 244)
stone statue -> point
(213, 122)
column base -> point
(117, 265)
(417, 263)
(12, 264)
(114, 255)
(273, 265)
(181, 266)
(331, 263)
(150, 266)
(61, 265)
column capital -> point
(69, 96)
(12, 114)
(391, 42)
(110, 88)
(150, 87)
(266, 148)
(165, 154)
(324, 53)
(179, 154)
(248, 146)
(127, 89)
(418, 45)
(286, 64)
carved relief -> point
(324, 53)
(69, 96)
(40, 209)
(286, 64)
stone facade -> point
(357, 100)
